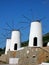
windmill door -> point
(35, 41)
(15, 47)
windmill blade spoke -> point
(23, 28)
(13, 25)
(26, 17)
(3, 34)
(1, 42)
(8, 25)
(32, 14)
(42, 18)
(5, 29)
(23, 22)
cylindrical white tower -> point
(8, 42)
(35, 38)
(48, 44)
(15, 40)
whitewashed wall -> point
(15, 39)
(35, 31)
(13, 60)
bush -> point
(47, 61)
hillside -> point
(2, 51)
(45, 39)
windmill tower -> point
(15, 40)
(15, 37)
(35, 38)
(8, 43)
(6, 39)
(48, 44)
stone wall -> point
(29, 55)
(32, 55)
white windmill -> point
(8, 43)
(35, 38)
(15, 40)
(13, 43)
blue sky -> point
(12, 11)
